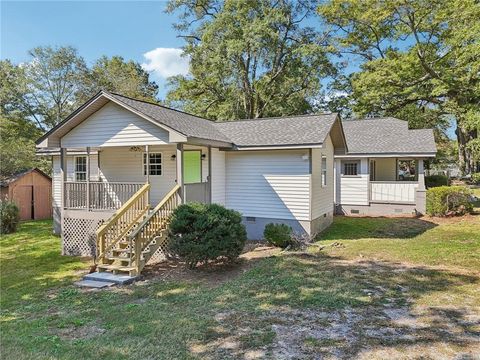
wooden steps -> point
(145, 235)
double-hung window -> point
(324, 170)
(80, 168)
(155, 163)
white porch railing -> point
(103, 195)
(393, 191)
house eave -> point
(277, 147)
(387, 155)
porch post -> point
(421, 175)
(421, 193)
(88, 178)
(209, 174)
(63, 176)
(147, 162)
(179, 159)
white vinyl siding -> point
(352, 190)
(113, 125)
(269, 184)
(56, 182)
(218, 176)
(122, 165)
(322, 196)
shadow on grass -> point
(294, 305)
(351, 228)
(346, 307)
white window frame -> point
(144, 163)
(75, 170)
(344, 166)
(324, 168)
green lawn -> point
(453, 243)
(329, 301)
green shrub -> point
(476, 178)
(203, 232)
(278, 234)
(449, 200)
(9, 217)
(436, 180)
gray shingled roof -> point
(386, 135)
(293, 130)
(186, 124)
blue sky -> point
(137, 30)
(127, 28)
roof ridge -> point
(159, 105)
(376, 118)
(274, 118)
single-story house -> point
(31, 190)
(115, 158)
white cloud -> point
(165, 62)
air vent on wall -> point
(355, 211)
(251, 219)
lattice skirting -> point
(159, 255)
(78, 232)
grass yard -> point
(369, 288)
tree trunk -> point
(465, 159)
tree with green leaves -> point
(421, 62)
(55, 79)
(249, 59)
(124, 77)
(37, 95)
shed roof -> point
(10, 179)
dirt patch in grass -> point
(212, 274)
(451, 220)
(79, 332)
(369, 333)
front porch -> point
(378, 186)
(97, 182)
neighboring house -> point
(119, 156)
(31, 190)
(383, 171)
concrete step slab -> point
(109, 277)
(94, 284)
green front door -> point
(192, 167)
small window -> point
(80, 168)
(155, 163)
(350, 168)
(324, 170)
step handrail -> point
(151, 225)
(122, 221)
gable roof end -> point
(175, 121)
